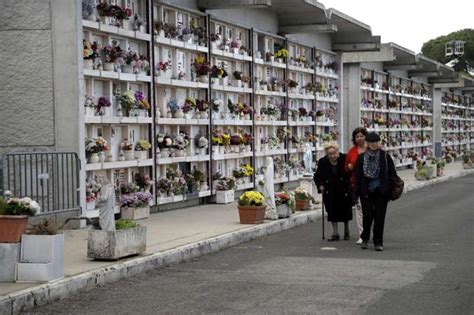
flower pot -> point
(94, 158)
(127, 68)
(129, 155)
(141, 155)
(224, 196)
(202, 151)
(108, 66)
(165, 153)
(12, 227)
(41, 258)
(203, 78)
(251, 214)
(283, 211)
(439, 171)
(142, 113)
(135, 213)
(112, 245)
(237, 83)
(188, 115)
(224, 81)
(301, 205)
(236, 50)
(248, 148)
(179, 114)
(88, 64)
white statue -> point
(269, 190)
(106, 205)
(308, 160)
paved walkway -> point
(170, 232)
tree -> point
(434, 48)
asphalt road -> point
(427, 267)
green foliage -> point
(435, 48)
(3, 206)
(122, 224)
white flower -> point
(8, 193)
(34, 206)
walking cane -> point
(323, 213)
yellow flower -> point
(200, 59)
(251, 198)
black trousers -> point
(374, 208)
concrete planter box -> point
(41, 258)
(113, 245)
(135, 213)
(224, 196)
(283, 211)
(9, 257)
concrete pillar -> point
(9, 257)
(351, 99)
(66, 28)
(437, 133)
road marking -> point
(328, 248)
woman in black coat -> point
(375, 174)
(334, 183)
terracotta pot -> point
(12, 227)
(301, 205)
(252, 214)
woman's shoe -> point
(359, 241)
(335, 237)
(364, 245)
(379, 248)
(347, 236)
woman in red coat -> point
(358, 139)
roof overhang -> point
(230, 4)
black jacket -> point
(337, 193)
(387, 175)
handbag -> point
(398, 186)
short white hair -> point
(329, 145)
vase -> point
(179, 114)
(88, 64)
(248, 148)
(129, 155)
(94, 158)
(237, 83)
(101, 156)
(252, 214)
(141, 155)
(12, 227)
(109, 66)
(165, 153)
(203, 78)
(204, 115)
(202, 151)
(203, 187)
(179, 153)
(127, 68)
(90, 111)
(224, 81)
(188, 115)
(90, 205)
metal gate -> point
(52, 179)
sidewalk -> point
(173, 237)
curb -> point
(438, 180)
(42, 294)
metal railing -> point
(50, 178)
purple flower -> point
(139, 96)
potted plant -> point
(251, 207)
(302, 199)
(113, 53)
(225, 190)
(202, 69)
(90, 106)
(284, 204)
(440, 167)
(142, 104)
(95, 148)
(237, 82)
(127, 149)
(41, 253)
(468, 160)
(189, 107)
(89, 54)
(202, 143)
(129, 58)
(141, 149)
(102, 104)
(135, 206)
(128, 239)
(127, 102)
(14, 214)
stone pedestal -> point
(9, 257)
(42, 258)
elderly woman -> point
(333, 182)
(375, 174)
(358, 140)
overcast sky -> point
(409, 23)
